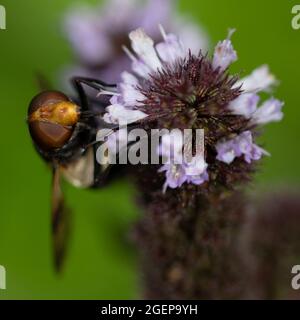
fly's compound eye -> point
(52, 118)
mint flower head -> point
(171, 87)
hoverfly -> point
(63, 133)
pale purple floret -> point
(196, 170)
(178, 170)
(143, 46)
(269, 111)
(241, 145)
(130, 95)
(171, 48)
(198, 179)
(259, 80)
(245, 104)
(177, 175)
(224, 54)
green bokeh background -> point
(102, 263)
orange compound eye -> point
(52, 118)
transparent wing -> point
(61, 217)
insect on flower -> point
(185, 90)
(168, 87)
(63, 133)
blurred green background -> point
(101, 263)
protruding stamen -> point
(162, 31)
(129, 53)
